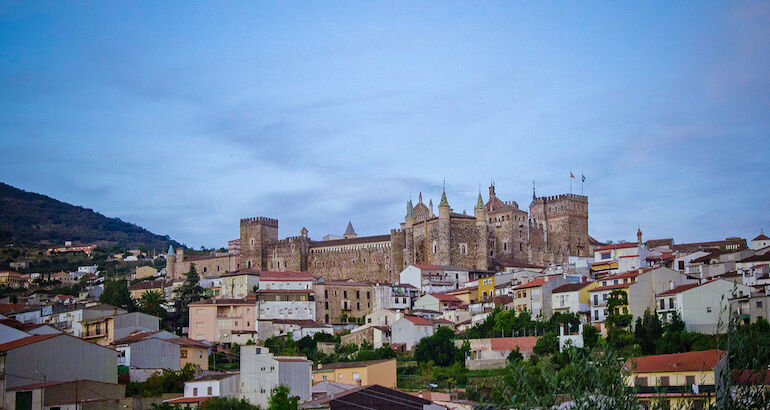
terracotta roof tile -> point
(761, 237)
(525, 344)
(571, 287)
(26, 341)
(418, 320)
(679, 289)
(690, 361)
(624, 245)
(445, 297)
(348, 365)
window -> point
(345, 294)
(326, 305)
(209, 390)
(324, 377)
(358, 294)
(505, 246)
(195, 391)
(606, 255)
(689, 380)
(759, 303)
(662, 304)
(663, 381)
(339, 377)
(356, 376)
(326, 293)
(183, 353)
(462, 249)
(435, 248)
(708, 309)
(640, 381)
(368, 295)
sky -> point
(184, 117)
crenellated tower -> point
(256, 234)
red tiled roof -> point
(348, 365)
(608, 287)
(677, 362)
(531, 284)
(570, 287)
(10, 307)
(624, 245)
(148, 284)
(445, 297)
(136, 337)
(188, 399)
(285, 291)
(185, 341)
(26, 341)
(761, 237)
(679, 289)
(757, 258)
(525, 344)
(216, 376)
(284, 276)
(418, 320)
(344, 283)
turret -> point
(409, 219)
(443, 207)
(480, 212)
(350, 232)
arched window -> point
(251, 241)
(435, 248)
(505, 246)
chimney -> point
(639, 235)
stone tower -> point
(441, 253)
(482, 232)
(170, 263)
(256, 234)
(565, 224)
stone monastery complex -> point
(499, 234)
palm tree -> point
(152, 302)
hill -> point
(27, 217)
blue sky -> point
(184, 117)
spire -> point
(430, 206)
(170, 249)
(480, 202)
(409, 209)
(444, 202)
(349, 230)
(419, 198)
(533, 189)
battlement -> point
(562, 197)
(260, 220)
(396, 231)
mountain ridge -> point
(29, 217)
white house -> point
(761, 241)
(701, 306)
(434, 278)
(437, 302)
(261, 372)
(211, 385)
(410, 329)
(286, 295)
(619, 257)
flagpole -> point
(570, 182)
(582, 181)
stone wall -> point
(368, 262)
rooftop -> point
(677, 362)
(570, 287)
(349, 365)
(624, 245)
(24, 341)
(284, 276)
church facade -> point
(498, 234)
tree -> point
(547, 344)
(152, 302)
(439, 348)
(189, 292)
(116, 294)
(647, 331)
(227, 403)
(618, 321)
(280, 399)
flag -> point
(571, 175)
(583, 178)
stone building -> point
(554, 228)
(178, 264)
(336, 299)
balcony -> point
(229, 315)
(701, 388)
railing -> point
(701, 388)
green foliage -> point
(747, 344)
(647, 331)
(591, 336)
(438, 348)
(116, 294)
(595, 382)
(152, 302)
(29, 217)
(502, 323)
(515, 356)
(169, 381)
(227, 403)
(189, 292)
(547, 344)
(280, 399)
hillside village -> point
(678, 322)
